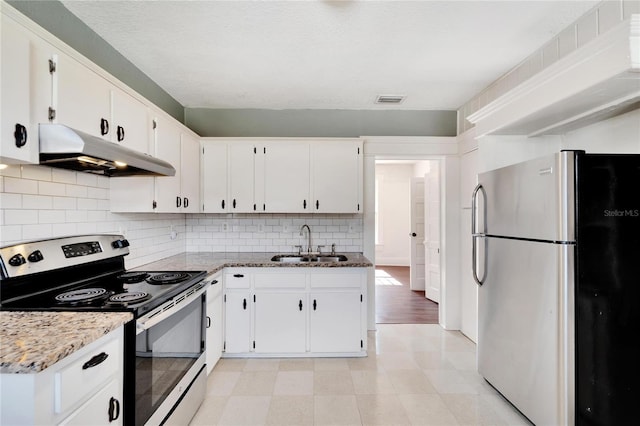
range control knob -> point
(17, 260)
(120, 244)
(36, 256)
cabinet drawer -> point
(280, 280)
(97, 409)
(81, 377)
(237, 279)
(336, 280)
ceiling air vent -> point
(389, 99)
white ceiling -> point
(326, 54)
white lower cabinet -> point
(214, 321)
(334, 324)
(84, 388)
(93, 411)
(295, 312)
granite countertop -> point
(214, 262)
(32, 341)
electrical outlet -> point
(172, 233)
(285, 227)
(225, 226)
(351, 228)
(261, 227)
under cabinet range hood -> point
(67, 148)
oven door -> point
(169, 357)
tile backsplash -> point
(272, 232)
(38, 202)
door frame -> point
(445, 150)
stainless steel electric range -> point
(164, 375)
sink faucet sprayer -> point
(309, 246)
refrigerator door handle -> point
(475, 234)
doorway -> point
(403, 240)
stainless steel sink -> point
(294, 258)
(330, 258)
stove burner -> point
(168, 278)
(133, 277)
(84, 295)
(135, 296)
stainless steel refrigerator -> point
(556, 253)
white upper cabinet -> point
(163, 194)
(87, 102)
(285, 177)
(228, 176)
(190, 173)
(168, 193)
(282, 176)
(214, 172)
(336, 176)
(241, 177)
(131, 122)
(24, 82)
(82, 98)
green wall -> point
(319, 123)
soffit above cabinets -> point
(595, 82)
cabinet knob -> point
(178, 201)
(20, 135)
(185, 202)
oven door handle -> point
(167, 309)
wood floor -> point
(396, 303)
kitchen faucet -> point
(309, 247)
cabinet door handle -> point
(178, 201)
(238, 275)
(234, 203)
(114, 409)
(315, 305)
(21, 135)
(96, 360)
(185, 202)
(120, 133)
(317, 204)
(104, 126)
(208, 322)
(304, 204)
(222, 204)
(244, 304)
(300, 305)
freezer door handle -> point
(475, 234)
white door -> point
(131, 122)
(84, 99)
(214, 177)
(416, 235)
(336, 176)
(335, 322)
(432, 233)
(237, 321)
(168, 149)
(280, 324)
(214, 324)
(241, 177)
(286, 177)
(190, 173)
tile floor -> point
(415, 374)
